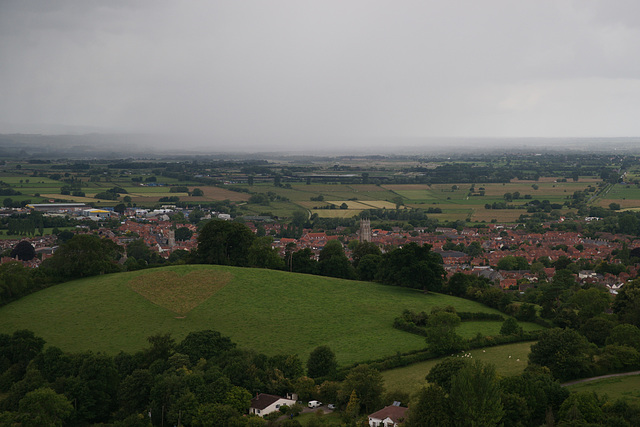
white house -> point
(264, 404)
(96, 213)
(389, 416)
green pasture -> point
(623, 192)
(47, 231)
(627, 388)
(269, 311)
(509, 359)
(470, 329)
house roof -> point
(261, 401)
(394, 413)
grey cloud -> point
(296, 71)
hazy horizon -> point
(321, 75)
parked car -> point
(314, 404)
(331, 406)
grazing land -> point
(509, 359)
(268, 311)
(627, 388)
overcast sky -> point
(298, 72)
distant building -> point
(365, 230)
(57, 207)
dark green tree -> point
(431, 409)
(413, 266)
(627, 303)
(139, 250)
(44, 407)
(333, 262)
(510, 326)
(511, 262)
(368, 267)
(475, 396)
(183, 234)
(564, 351)
(120, 208)
(321, 362)
(206, 345)
(83, 256)
(24, 251)
(441, 336)
(225, 243)
(625, 334)
(442, 373)
(261, 254)
(302, 261)
(363, 249)
(368, 384)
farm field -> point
(411, 378)
(627, 388)
(456, 201)
(627, 196)
(269, 311)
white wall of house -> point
(272, 408)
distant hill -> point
(269, 311)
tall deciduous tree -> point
(431, 409)
(413, 266)
(225, 243)
(321, 362)
(334, 263)
(441, 336)
(563, 351)
(82, 256)
(206, 344)
(44, 407)
(627, 303)
(24, 251)
(368, 384)
(475, 396)
(263, 255)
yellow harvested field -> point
(336, 213)
(378, 204)
(352, 204)
(624, 203)
(310, 205)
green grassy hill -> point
(269, 311)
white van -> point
(314, 404)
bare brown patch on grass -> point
(179, 293)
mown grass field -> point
(627, 388)
(412, 378)
(332, 419)
(269, 311)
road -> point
(584, 380)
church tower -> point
(365, 230)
